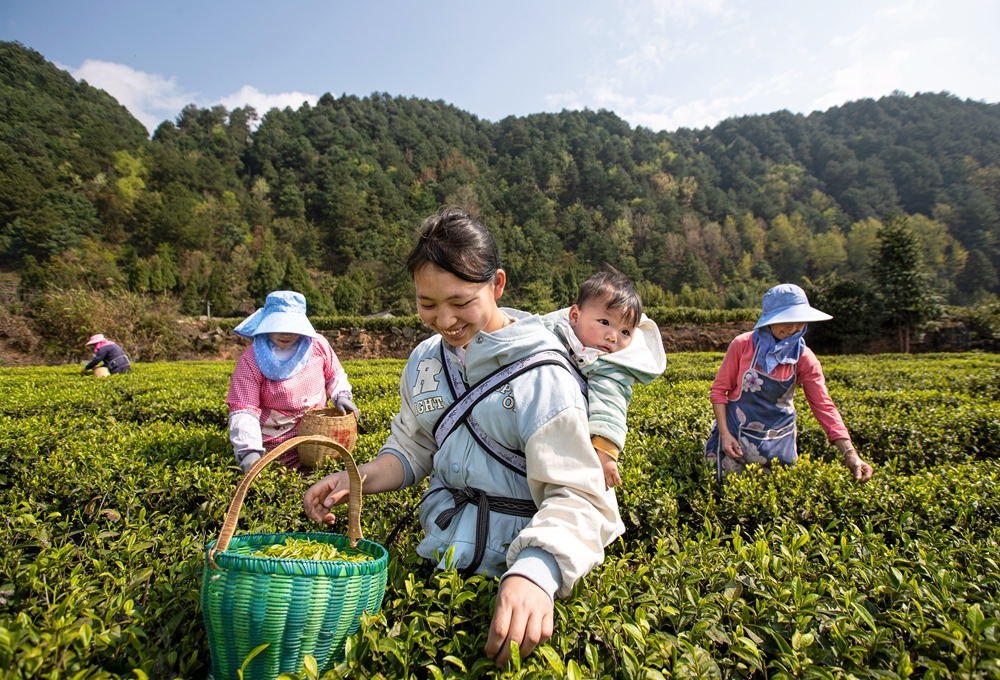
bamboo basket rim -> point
(325, 411)
(272, 565)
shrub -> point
(332, 323)
(144, 326)
(984, 318)
(17, 329)
(666, 316)
(857, 311)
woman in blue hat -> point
(753, 392)
(288, 369)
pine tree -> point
(34, 278)
(169, 274)
(297, 277)
(219, 292)
(138, 275)
(898, 274)
(192, 299)
(156, 275)
(267, 276)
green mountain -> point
(325, 199)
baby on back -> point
(613, 344)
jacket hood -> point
(489, 351)
(644, 358)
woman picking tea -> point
(287, 370)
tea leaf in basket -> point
(305, 549)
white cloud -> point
(565, 100)
(645, 53)
(151, 98)
(665, 10)
(909, 46)
(661, 113)
(148, 96)
(671, 63)
(653, 57)
(263, 102)
(649, 40)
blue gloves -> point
(344, 403)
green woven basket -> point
(298, 607)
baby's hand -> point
(611, 476)
(610, 467)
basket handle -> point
(354, 505)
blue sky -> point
(663, 64)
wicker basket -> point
(297, 606)
(325, 422)
(101, 372)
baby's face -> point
(601, 328)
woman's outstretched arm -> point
(385, 473)
(810, 374)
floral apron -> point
(763, 421)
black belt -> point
(485, 504)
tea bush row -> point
(111, 489)
(332, 323)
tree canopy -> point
(214, 206)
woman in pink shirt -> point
(753, 392)
(288, 369)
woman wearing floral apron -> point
(753, 392)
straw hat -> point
(787, 303)
(94, 339)
(284, 311)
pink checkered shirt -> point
(280, 404)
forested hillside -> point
(325, 199)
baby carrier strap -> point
(466, 399)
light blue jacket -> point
(542, 413)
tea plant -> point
(111, 489)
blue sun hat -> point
(284, 311)
(787, 303)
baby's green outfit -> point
(610, 376)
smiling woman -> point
(493, 414)
(458, 309)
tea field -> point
(111, 489)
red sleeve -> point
(727, 380)
(333, 371)
(331, 364)
(245, 385)
(809, 374)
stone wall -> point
(356, 343)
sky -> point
(662, 64)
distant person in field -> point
(753, 392)
(613, 344)
(108, 354)
(493, 413)
(288, 369)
